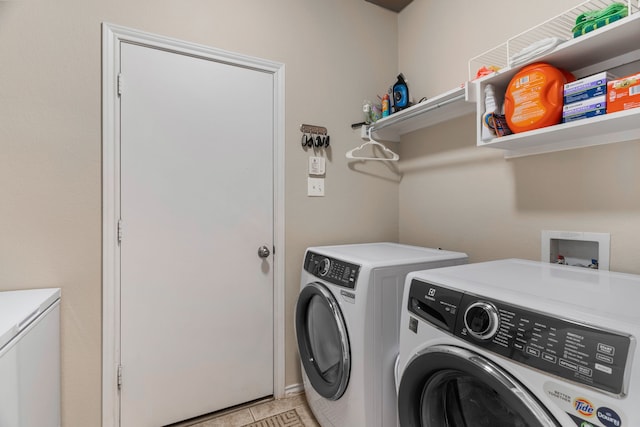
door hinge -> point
(119, 379)
(119, 231)
(119, 88)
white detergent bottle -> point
(490, 107)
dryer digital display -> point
(571, 350)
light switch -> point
(315, 187)
(316, 165)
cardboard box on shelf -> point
(623, 94)
(587, 87)
(584, 109)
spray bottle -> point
(385, 105)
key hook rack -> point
(314, 136)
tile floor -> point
(246, 415)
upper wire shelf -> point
(559, 27)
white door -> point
(197, 141)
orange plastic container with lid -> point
(534, 97)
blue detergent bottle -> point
(400, 94)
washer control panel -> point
(572, 350)
(332, 270)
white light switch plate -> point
(316, 165)
(315, 187)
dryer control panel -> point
(572, 350)
(332, 270)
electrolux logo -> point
(431, 294)
(583, 406)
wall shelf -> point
(447, 106)
(583, 50)
(613, 48)
(606, 129)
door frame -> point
(112, 36)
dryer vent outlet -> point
(576, 248)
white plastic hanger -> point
(394, 157)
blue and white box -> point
(582, 110)
(586, 88)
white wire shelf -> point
(559, 26)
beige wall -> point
(336, 53)
(456, 196)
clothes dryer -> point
(347, 325)
(516, 343)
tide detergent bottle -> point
(534, 97)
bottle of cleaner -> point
(400, 94)
(385, 105)
(490, 108)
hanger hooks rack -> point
(314, 136)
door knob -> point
(263, 252)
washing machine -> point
(347, 325)
(519, 343)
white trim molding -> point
(112, 37)
(293, 389)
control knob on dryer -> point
(482, 320)
(324, 266)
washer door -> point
(449, 386)
(323, 342)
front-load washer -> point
(519, 343)
(347, 325)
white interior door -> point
(197, 141)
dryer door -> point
(323, 342)
(453, 387)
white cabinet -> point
(615, 48)
(30, 358)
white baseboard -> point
(293, 389)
